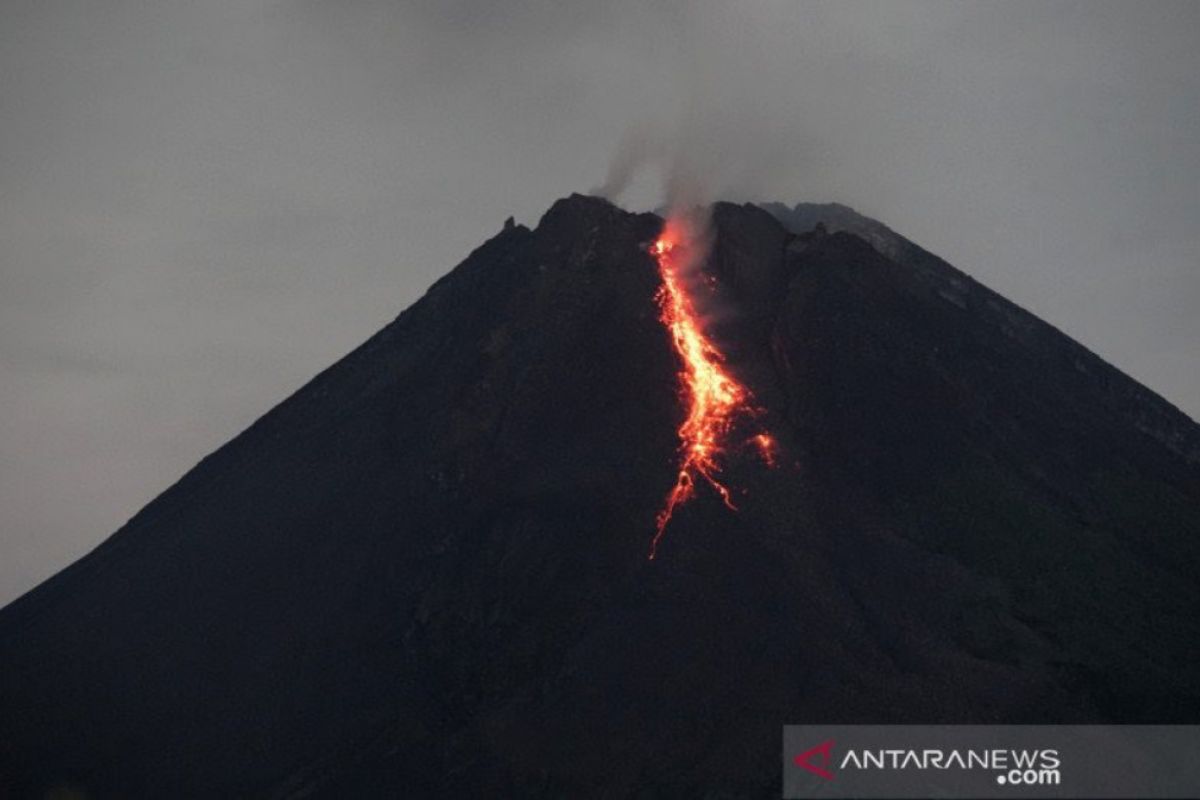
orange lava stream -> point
(714, 397)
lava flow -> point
(713, 396)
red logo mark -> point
(821, 754)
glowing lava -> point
(714, 397)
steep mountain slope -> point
(1124, 396)
(425, 572)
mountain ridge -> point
(1169, 424)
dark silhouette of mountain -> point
(425, 573)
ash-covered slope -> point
(425, 573)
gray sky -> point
(203, 203)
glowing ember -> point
(713, 396)
(766, 448)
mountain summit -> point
(426, 573)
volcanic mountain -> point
(426, 574)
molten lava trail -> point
(714, 397)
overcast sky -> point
(205, 202)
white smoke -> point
(661, 146)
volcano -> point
(425, 573)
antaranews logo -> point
(809, 758)
(1011, 767)
(991, 761)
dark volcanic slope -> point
(425, 572)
